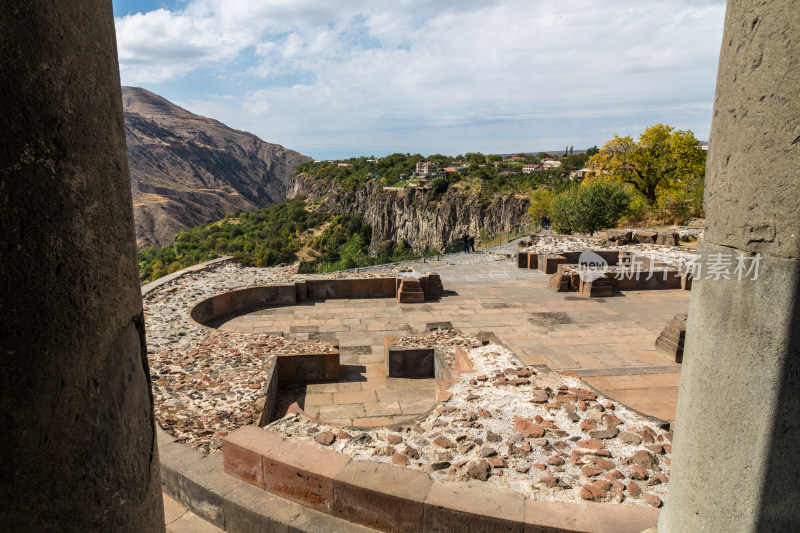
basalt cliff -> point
(186, 169)
(416, 214)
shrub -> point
(596, 205)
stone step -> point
(410, 291)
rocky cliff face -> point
(186, 169)
(413, 215)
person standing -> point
(465, 240)
(472, 243)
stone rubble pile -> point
(551, 244)
(204, 393)
(543, 435)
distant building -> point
(578, 174)
(426, 167)
(549, 162)
(527, 169)
(344, 165)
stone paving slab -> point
(602, 337)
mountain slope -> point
(186, 169)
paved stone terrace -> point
(608, 342)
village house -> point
(426, 167)
(549, 162)
(527, 169)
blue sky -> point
(335, 79)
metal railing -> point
(510, 235)
(334, 264)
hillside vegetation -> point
(266, 237)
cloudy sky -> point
(338, 78)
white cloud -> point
(370, 72)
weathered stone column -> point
(78, 448)
(735, 464)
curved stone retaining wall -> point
(210, 311)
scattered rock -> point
(632, 438)
(497, 462)
(493, 437)
(488, 451)
(653, 500)
(527, 428)
(592, 493)
(399, 459)
(633, 489)
(325, 438)
(590, 471)
(539, 396)
(646, 460)
(394, 438)
(479, 470)
(364, 438)
(604, 433)
(444, 442)
(411, 453)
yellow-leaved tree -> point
(663, 158)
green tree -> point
(662, 158)
(475, 158)
(594, 206)
(541, 203)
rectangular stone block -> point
(522, 259)
(362, 288)
(549, 264)
(571, 257)
(622, 282)
(242, 452)
(533, 261)
(597, 288)
(686, 281)
(660, 279)
(303, 368)
(609, 518)
(440, 392)
(410, 291)
(300, 291)
(556, 517)
(385, 288)
(287, 294)
(462, 361)
(316, 289)
(303, 473)
(381, 496)
(409, 362)
(473, 507)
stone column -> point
(735, 464)
(78, 448)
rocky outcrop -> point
(186, 169)
(415, 214)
